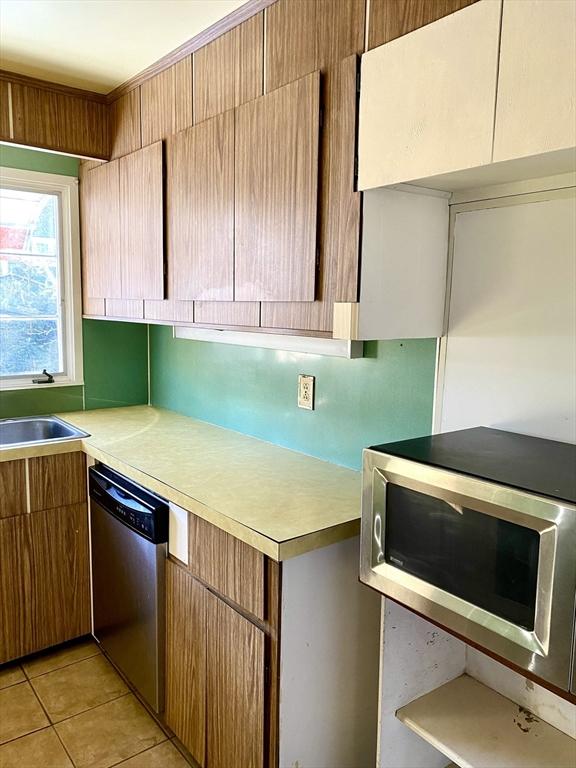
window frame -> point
(66, 190)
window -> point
(40, 303)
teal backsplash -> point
(387, 395)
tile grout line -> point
(64, 666)
(64, 746)
(146, 749)
(23, 735)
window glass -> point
(31, 335)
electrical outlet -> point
(306, 392)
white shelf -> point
(478, 728)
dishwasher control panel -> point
(139, 509)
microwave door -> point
(483, 560)
(488, 562)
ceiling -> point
(98, 44)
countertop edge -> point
(276, 550)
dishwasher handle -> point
(134, 506)
(110, 495)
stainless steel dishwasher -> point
(129, 531)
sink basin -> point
(34, 430)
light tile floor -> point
(70, 709)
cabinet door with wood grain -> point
(200, 210)
(100, 212)
(44, 580)
(58, 593)
(14, 614)
(57, 481)
(228, 565)
(235, 689)
(186, 659)
(276, 190)
(142, 223)
(12, 488)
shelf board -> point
(478, 728)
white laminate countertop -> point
(279, 501)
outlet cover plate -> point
(306, 392)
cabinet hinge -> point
(355, 171)
(358, 81)
(321, 118)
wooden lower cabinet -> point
(44, 580)
(235, 688)
(12, 488)
(214, 676)
(186, 659)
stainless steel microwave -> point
(476, 530)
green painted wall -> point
(385, 396)
(35, 160)
(115, 364)
(115, 374)
(115, 354)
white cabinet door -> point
(427, 99)
(536, 106)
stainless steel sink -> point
(34, 430)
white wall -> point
(328, 661)
(510, 352)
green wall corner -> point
(115, 364)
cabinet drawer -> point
(57, 481)
(12, 488)
(230, 566)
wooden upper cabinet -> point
(276, 194)
(235, 688)
(427, 99)
(200, 210)
(536, 106)
(167, 102)
(125, 124)
(290, 41)
(5, 109)
(122, 227)
(100, 219)
(142, 229)
(389, 20)
(230, 70)
(59, 121)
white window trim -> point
(67, 189)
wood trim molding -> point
(233, 19)
(47, 85)
(346, 320)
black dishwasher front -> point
(129, 531)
